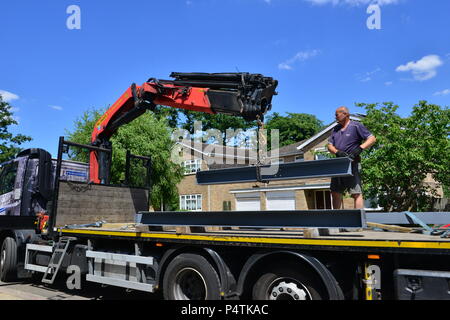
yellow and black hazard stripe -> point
(266, 240)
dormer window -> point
(192, 166)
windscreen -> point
(9, 190)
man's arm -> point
(366, 135)
(366, 145)
(338, 153)
(369, 142)
(332, 149)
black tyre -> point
(284, 283)
(8, 260)
(191, 277)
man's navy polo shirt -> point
(349, 139)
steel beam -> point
(336, 167)
(400, 218)
(257, 219)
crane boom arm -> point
(239, 94)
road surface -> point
(30, 290)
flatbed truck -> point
(89, 231)
(213, 263)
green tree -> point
(172, 115)
(407, 152)
(147, 135)
(294, 127)
(9, 143)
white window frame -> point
(192, 166)
(300, 158)
(322, 149)
(191, 202)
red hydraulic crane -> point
(239, 94)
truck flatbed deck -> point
(366, 240)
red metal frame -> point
(190, 98)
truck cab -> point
(26, 183)
(26, 191)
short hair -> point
(345, 109)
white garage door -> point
(248, 202)
(283, 200)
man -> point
(349, 139)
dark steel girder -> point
(401, 218)
(257, 219)
(337, 167)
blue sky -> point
(321, 51)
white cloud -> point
(8, 96)
(353, 2)
(366, 77)
(284, 66)
(423, 69)
(442, 93)
(58, 108)
(299, 57)
(388, 83)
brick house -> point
(295, 194)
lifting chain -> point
(262, 139)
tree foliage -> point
(146, 136)
(294, 127)
(408, 152)
(221, 122)
(9, 143)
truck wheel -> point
(191, 277)
(8, 260)
(283, 283)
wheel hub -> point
(190, 285)
(288, 291)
